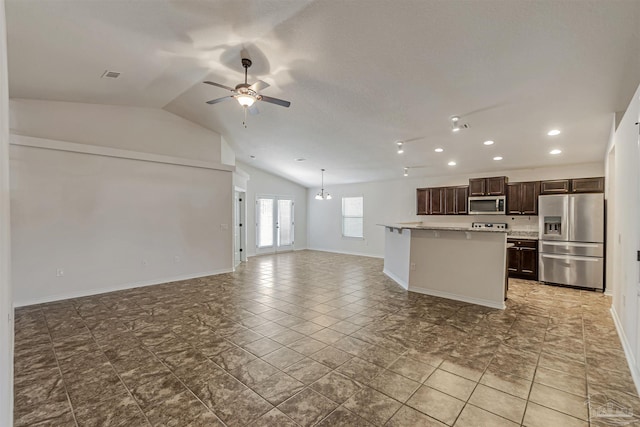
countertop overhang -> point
(511, 234)
(413, 226)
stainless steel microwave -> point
(487, 205)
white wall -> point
(227, 155)
(626, 233)
(112, 222)
(264, 183)
(395, 201)
(6, 300)
(147, 130)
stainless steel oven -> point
(487, 205)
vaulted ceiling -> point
(360, 74)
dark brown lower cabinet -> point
(522, 259)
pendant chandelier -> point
(322, 195)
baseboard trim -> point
(346, 252)
(104, 290)
(631, 360)
(478, 301)
(396, 279)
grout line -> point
(73, 412)
(100, 348)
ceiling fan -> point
(247, 94)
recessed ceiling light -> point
(300, 159)
(497, 158)
(556, 151)
(553, 132)
(451, 163)
(439, 150)
(489, 142)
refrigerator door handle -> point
(572, 257)
(571, 218)
(572, 244)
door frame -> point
(275, 248)
(239, 214)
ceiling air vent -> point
(111, 74)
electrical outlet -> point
(59, 272)
(412, 266)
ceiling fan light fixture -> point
(245, 100)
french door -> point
(274, 224)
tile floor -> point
(312, 338)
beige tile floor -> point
(312, 338)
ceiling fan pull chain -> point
(244, 122)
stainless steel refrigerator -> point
(571, 246)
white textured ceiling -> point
(360, 74)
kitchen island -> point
(459, 263)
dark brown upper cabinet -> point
(442, 200)
(455, 200)
(556, 186)
(576, 185)
(522, 198)
(494, 186)
(588, 185)
(450, 201)
(422, 201)
(462, 196)
(436, 198)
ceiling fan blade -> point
(215, 101)
(259, 85)
(253, 110)
(219, 85)
(276, 101)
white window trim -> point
(342, 217)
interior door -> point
(239, 240)
(274, 224)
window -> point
(352, 217)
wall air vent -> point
(110, 74)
